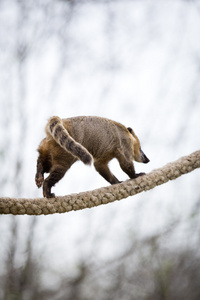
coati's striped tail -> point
(61, 136)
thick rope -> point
(44, 206)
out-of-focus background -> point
(136, 62)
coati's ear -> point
(130, 130)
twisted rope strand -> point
(44, 206)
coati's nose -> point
(144, 158)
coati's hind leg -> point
(39, 176)
(55, 175)
(43, 165)
(105, 172)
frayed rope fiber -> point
(89, 199)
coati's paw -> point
(51, 195)
(39, 180)
(47, 193)
(139, 174)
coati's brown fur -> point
(87, 139)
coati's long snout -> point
(143, 157)
(87, 139)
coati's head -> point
(139, 155)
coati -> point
(88, 139)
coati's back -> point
(98, 135)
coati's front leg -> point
(128, 168)
(105, 172)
